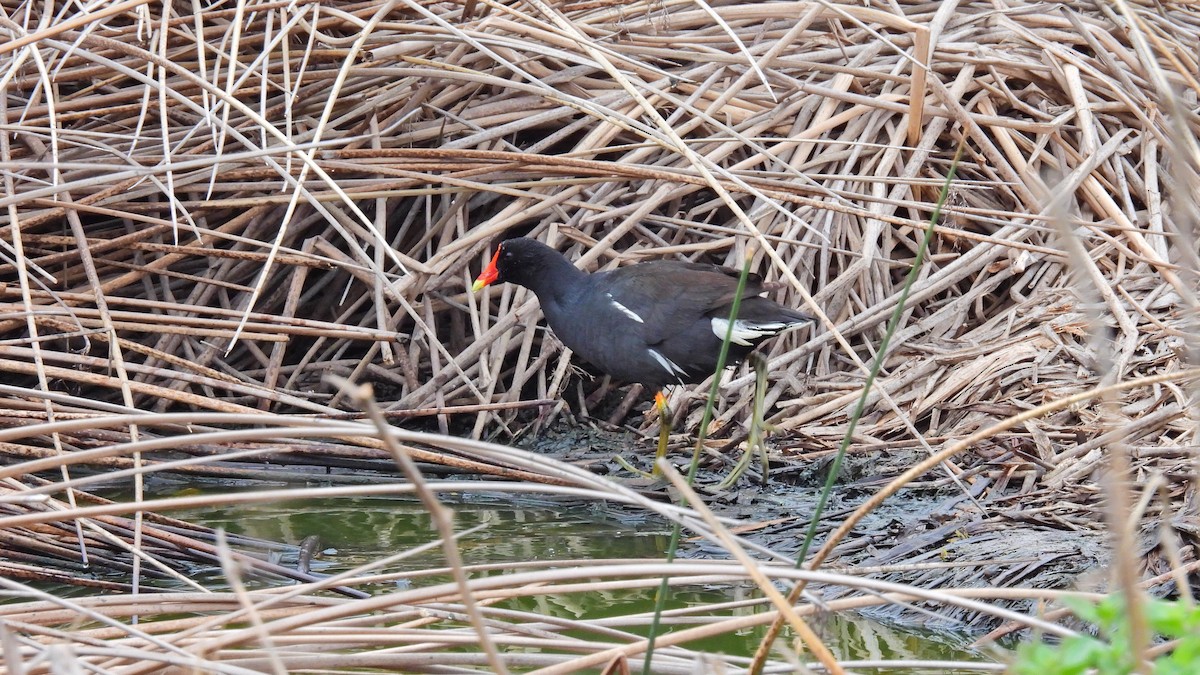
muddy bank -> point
(931, 535)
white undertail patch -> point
(623, 309)
(668, 365)
(745, 332)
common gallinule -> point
(654, 323)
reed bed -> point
(380, 614)
(209, 209)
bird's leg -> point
(664, 430)
(758, 420)
(664, 433)
(758, 427)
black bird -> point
(654, 323)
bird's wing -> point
(676, 294)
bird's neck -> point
(560, 282)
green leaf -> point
(1117, 659)
(1110, 614)
(1078, 653)
(1162, 667)
(1031, 659)
(1084, 609)
(1168, 618)
(1084, 654)
(1185, 657)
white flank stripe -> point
(745, 331)
(667, 364)
(624, 310)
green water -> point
(354, 531)
(362, 529)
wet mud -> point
(932, 534)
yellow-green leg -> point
(664, 431)
(664, 434)
(758, 427)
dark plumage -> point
(655, 323)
